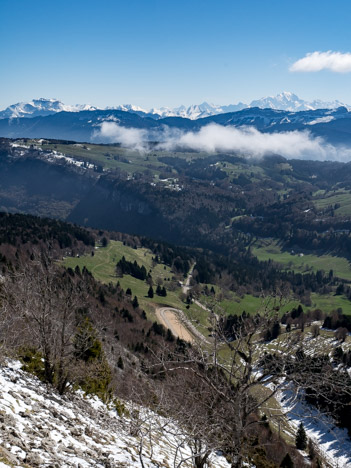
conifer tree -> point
(287, 462)
(150, 292)
(169, 335)
(301, 438)
(120, 363)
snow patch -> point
(39, 428)
(326, 119)
(332, 441)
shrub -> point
(32, 361)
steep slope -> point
(39, 428)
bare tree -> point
(183, 433)
(315, 330)
(341, 334)
(219, 392)
(40, 301)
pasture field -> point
(109, 157)
(269, 249)
(252, 304)
(342, 198)
(116, 157)
(329, 302)
(102, 265)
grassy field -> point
(103, 264)
(330, 302)
(237, 305)
(323, 200)
(255, 173)
(253, 304)
(266, 249)
(199, 318)
(109, 157)
(113, 157)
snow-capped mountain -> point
(41, 107)
(290, 102)
(284, 101)
(332, 124)
(196, 111)
(128, 108)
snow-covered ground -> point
(333, 442)
(52, 156)
(39, 428)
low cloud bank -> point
(248, 140)
(133, 138)
(316, 61)
(212, 138)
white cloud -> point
(253, 143)
(111, 132)
(212, 138)
(317, 61)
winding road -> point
(170, 318)
(176, 320)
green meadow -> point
(102, 265)
(269, 249)
(342, 198)
(252, 304)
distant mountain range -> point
(333, 125)
(40, 107)
(284, 101)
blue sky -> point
(165, 52)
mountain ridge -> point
(283, 101)
(97, 125)
(41, 107)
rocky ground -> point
(39, 428)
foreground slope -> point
(40, 428)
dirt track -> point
(176, 320)
(169, 317)
(179, 324)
